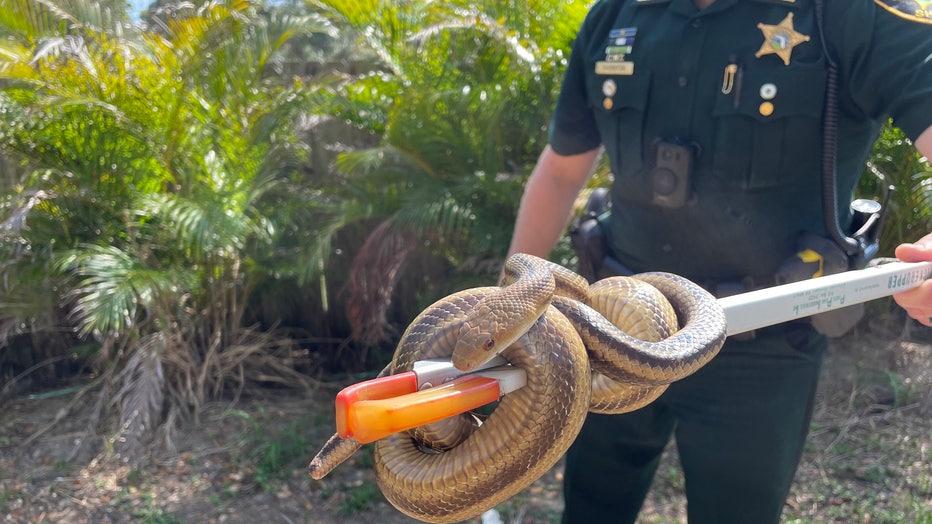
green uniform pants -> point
(740, 424)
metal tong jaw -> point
(431, 391)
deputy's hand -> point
(917, 301)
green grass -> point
(360, 499)
(868, 454)
(6, 497)
(273, 458)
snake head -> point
(474, 346)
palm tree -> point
(459, 95)
(151, 206)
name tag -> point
(614, 68)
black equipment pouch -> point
(589, 244)
(588, 241)
(818, 256)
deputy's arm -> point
(548, 200)
(918, 301)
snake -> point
(610, 347)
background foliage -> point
(894, 162)
(459, 94)
(146, 207)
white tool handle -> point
(775, 305)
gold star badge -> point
(780, 39)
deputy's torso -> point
(741, 86)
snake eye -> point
(489, 345)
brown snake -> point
(551, 323)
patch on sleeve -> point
(915, 10)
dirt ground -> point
(868, 460)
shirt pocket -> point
(768, 129)
(619, 104)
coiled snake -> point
(543, 321)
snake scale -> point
(611, 347)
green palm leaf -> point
(115, 289)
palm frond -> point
(140, 398)
(114, 289)
(373, 277)
(27, 21)
(201, 227)
(382, 28)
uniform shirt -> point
(741, 85)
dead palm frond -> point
(372, 280)
(140, 398)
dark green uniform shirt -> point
(741, 84)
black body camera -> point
(670, 180)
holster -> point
(588, 241)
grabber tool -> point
(435, 390)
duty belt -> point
(719, 287)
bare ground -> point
(869, 460)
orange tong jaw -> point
(377, 408)
(375, 389)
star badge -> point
(780, 39)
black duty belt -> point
(719, 287)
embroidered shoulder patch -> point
(915, 10)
